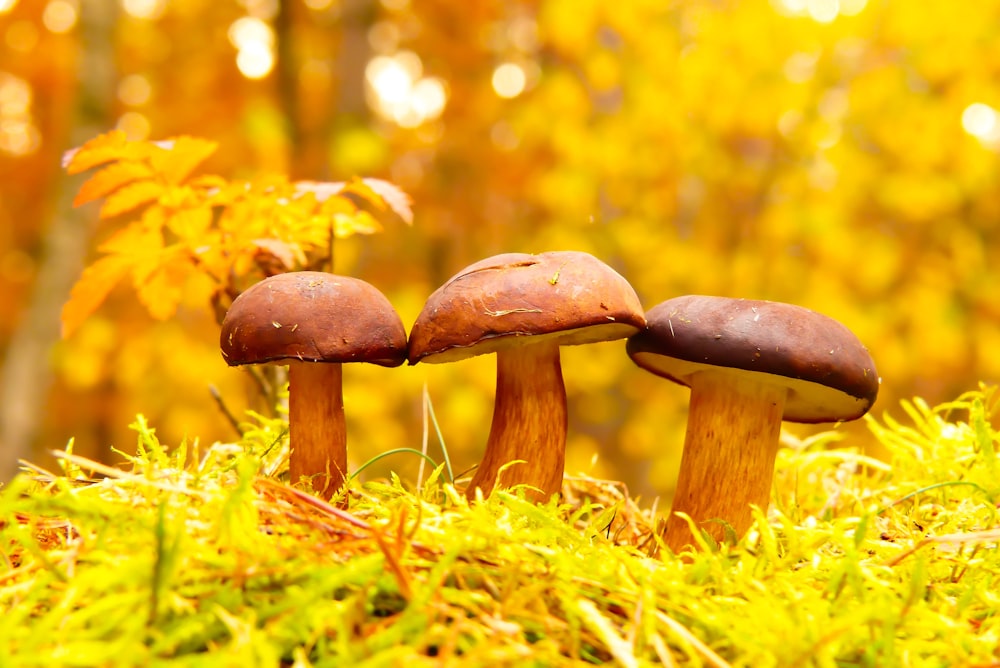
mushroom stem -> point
(728, 462)
(317, 431)
(529, 423)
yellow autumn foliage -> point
(749, 148)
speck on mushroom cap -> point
(568, 297)
(312, 316)
(829, 373)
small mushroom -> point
(749, 365)
(314, 322)
(523, 308)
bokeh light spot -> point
(134, 90)
(261, 9)
(523, 33)
(21, 36)
(60, 16)
(389, 78)
(852, 7)
(429, 97)
(135, 125)
(248, 30)
(823, 11)
(509, 80)
(800, 67)
(148, 10)
(400, 93)
(15, 96)
(384, 36)
(255, 60)
(254, 41)
(793, 6)
(980, 121)
(19, 136)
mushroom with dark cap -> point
(749, 365)
(523, 307)
(314, 322)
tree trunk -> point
(25, 377)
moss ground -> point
(202, 556)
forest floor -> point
(202, 556)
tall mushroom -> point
(314, 322)
(523, 308)
(749, 365)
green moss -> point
(206, 558)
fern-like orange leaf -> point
(360, 222)
(110, 179)
(92, 289)
(99, 150)
(161, 290)
(131, 197)
(184, 155)
(397, 200)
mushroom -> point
(749, 365)
(313, 322)
(523, 308)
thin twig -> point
(319, 504)
(221, 403)
(987, 536)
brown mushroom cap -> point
(567, 297)
(312, 316)
(829, 374)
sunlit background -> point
(839, 154)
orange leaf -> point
(397, 200)
(289, 254)
(184, 154)
(111, 178)
(91, 289)
(99, 150)
(131, 197)
(160, 291)
(378, 195)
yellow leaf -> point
(111, 178)
(213, 255)
(190, 223)
(209, 182)
(322, 190)
(336, 205)
(91, 289)
(131, 197)
(359, 191)
(181, 158)
(137, 239)
(360, 222)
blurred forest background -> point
(838, 154)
